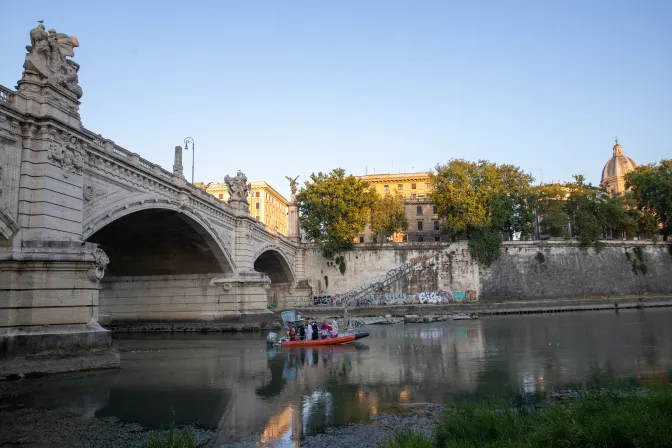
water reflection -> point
(233, 383)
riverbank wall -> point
(525, 271)
(495, 308)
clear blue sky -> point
(279, 88)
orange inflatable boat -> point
(331, 341)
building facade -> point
(266, 204)
(613, 174)
(423, 222)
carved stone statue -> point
(238, 187)
(292, 184)
(47, 55)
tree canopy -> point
(651, 187)
(482, 201)
(388, 215)
(334, 209)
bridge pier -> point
(48, 316)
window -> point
(418, 210)
(256, 206)
(386, 187)
(419, 226)
(221, 195)
(421, 239)
(413, 196)
(434, 209)
(257, 194)
(361, 238)
(400, 186)
(412, 186)
(404, 239)
(436, 225)
(427, 186)
(437, 238)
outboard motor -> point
(272, 338)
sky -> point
(285, 88)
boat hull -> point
(331, 341)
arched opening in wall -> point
(159, 242)
(274, 264)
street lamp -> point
(193, 154)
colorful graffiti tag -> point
(322, 300)
(425, 297)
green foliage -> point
(637, 260)
(600, 419)
(651, 187)
(340, 261)
(482, 201)
(408, 439)
(478, 195)
(334, 209)
(540, 257)
(388, 216)
(579, 209)
(485, 245)
(172, 438)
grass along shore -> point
(616, 418)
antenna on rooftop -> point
(366, 169)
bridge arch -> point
(144, 235)
(272, 261)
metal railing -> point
(382, 281)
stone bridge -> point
(92, 231)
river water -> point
(234, 384)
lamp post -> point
(193, 154)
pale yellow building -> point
(266, 204)
(423, 222)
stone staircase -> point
(381, 282)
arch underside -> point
(274, 264)
(157, 241)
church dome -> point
(613, 174)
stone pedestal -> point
(293, 231)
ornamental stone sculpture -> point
(238, 187)
(46, 59)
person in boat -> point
(316, 334)
(309, 331)
(302, 332)
(291, 332)
(323, 329)
(334, 329)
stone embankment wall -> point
(526, 270)
(166, 298)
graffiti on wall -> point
(425, 297)
(322, 300)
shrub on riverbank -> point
(172, 438)
(599, 419)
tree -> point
(482, 201)
(651, 187)
(551, 202)
(334, 209)
(388, 215)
